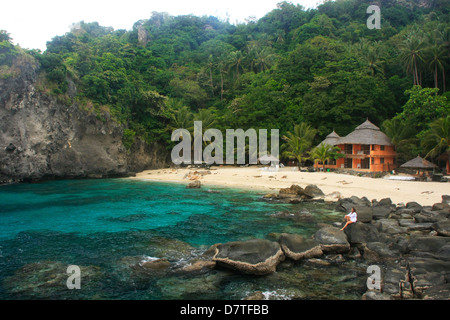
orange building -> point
(365, 149)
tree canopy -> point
(319, 66)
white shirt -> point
(353, 216)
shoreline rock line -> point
(410, 243)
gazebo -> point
(419, 164)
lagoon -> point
(110, 227)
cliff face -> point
(42, 138)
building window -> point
(365, 148)
(381, 160)
(382, 148)
(348, 148)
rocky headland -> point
(42, 137)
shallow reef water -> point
(110, 228)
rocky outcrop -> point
(258, 256)
(42, 137)
(296, 194)
(297, 247)
(410, 243)
(332, 239)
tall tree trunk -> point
(443, 79)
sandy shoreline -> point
(254, 178)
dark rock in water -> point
(194, 185)
(297, 216)
(258, 257)
(156, 264)
(332, 240)
(297, 247)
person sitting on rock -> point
(352, 217)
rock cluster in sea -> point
(409, 243)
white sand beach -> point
(255, 178)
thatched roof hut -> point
(418, 163)
(366, 133)
(331, 139)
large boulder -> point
(294, 191)
(346, 204)
(258, 256)
(332, 239)
(313, 191)
(365, 214)
(362, 233)
(194, 185)
(381, 212)
(297, 247)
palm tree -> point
(411, 54)
(324, 152)
(402, 135)
(437, 52)
(437, 139)
(235, 62)
(299, 141)
(180, 115)
(264, 59)
(210, 66)
(371, 54)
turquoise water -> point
(108, 227)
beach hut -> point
(419, 163)
(331, 139)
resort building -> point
(364, 149)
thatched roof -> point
(419, 163)
(331, 139)
(366, 133)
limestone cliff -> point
(41, 137)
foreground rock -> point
(297, 247)
(258, 257)
(332, 239)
